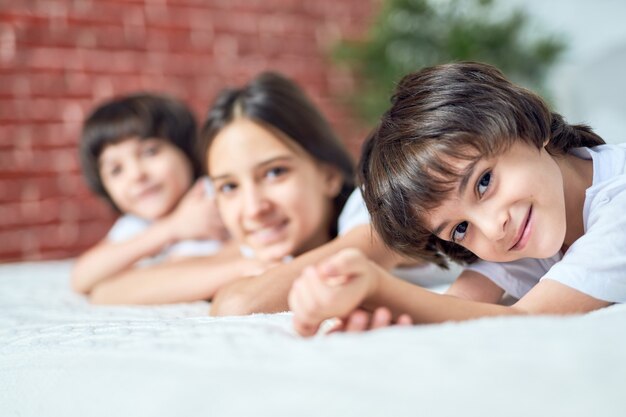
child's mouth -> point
(270, 234)
(147, 192)
(524, 233)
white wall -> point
(589, 84)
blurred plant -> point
(412, 34)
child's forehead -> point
(124, 145)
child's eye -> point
(226, 188)
(458, 233)
(483, 183)
(150, 150)
(115, 171)
(275, 172)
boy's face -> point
(513, 207)
(145, 177)
(272, 197)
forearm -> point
(185, 280)
(267, 293)
(425, 306)
(108, 259)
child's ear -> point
(333, 180)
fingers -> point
(337, 269)
(304, 329)
(404, 320)
(197, 189)
(381, 318)
(303, 302)
(357, 321)
(360, 321)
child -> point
(467, 165)
(138, 154)
(284, 188)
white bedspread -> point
(59, 356)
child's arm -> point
(349, 280)
(109, 258)
(268, 292)
(195, 217)
(186, 280)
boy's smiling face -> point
(512, 207)
(145, 177)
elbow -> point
(231, 302)
(97, 296)
(78, 285)
(104, 295)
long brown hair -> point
(454, 112)
(279, 104)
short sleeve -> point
(195, 248)
(126, 227)
(354, 213)
(595, 264)
(516, 277)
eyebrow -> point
(259, 165)
(102, 162)
(440, 228)
(466, 175)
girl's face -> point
(512, 206)
(145, 177)
(271, 194)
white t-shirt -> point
(129, 226)
(595, 264)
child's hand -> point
(334, 288)
(360, 320)
(252, 267)
(197, 217)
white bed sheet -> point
(60, 356)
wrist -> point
(375, 281)
(168, 230)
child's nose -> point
(493, 224)
(136, 171)
(255, 202)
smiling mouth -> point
(147, 192)
(524, 232)
(269, 234)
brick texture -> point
(59, 58)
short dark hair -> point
(463, 111)
(279, 104)
(143, 115)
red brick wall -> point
(58, 58)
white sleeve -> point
(595, 264)
(194, 248)
(354, 213)
(516, 277)
(209, 188)
(126, 227)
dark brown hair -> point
(142, 115)
(279, 105)
(461, 112)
